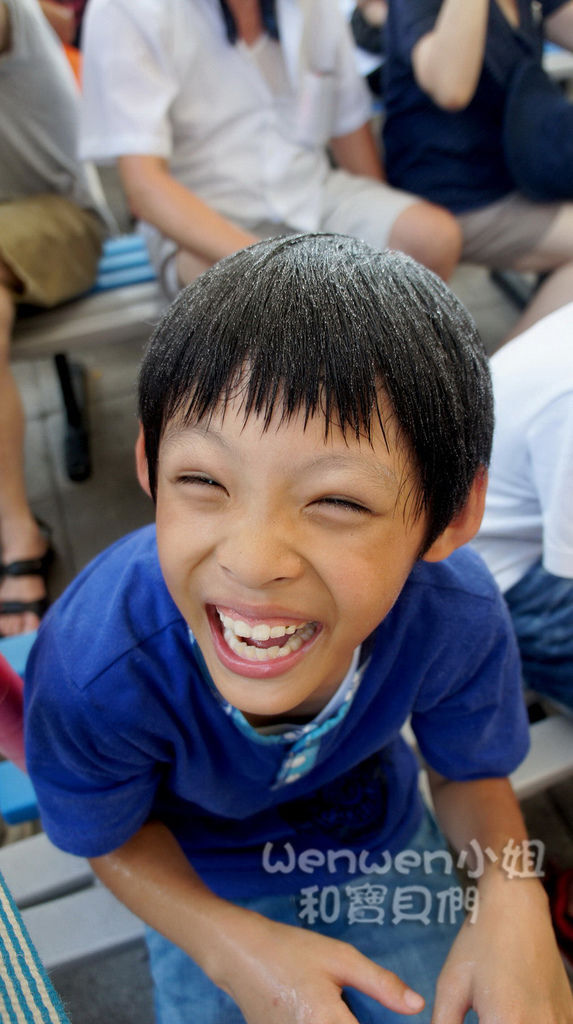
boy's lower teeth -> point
(254, 653)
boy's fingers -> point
(384, 986)
(451, 1003)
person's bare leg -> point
(553, 253)
(431, 235)
(20, 537)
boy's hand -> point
(506, 965)
(290, 976)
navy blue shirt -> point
(453, 158)
(123, 725)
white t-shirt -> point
(160, 78)
(529, 507)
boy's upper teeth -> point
(261, 631)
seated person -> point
(220, 114)
(447, 72)
(226, 745)
(50, 241)
(526, 536)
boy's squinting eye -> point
(344, 504)
(198, 478)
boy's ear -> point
(141, 462)
(464, 525)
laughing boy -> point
(214, 707)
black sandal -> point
(29, 567)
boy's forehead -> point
(310, 441)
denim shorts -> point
(403, 920)
(541, 607)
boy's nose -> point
(259, 554)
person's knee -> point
(431, 235)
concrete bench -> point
(70, 916)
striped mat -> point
(26, 993)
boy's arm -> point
(447, 61)
(356, 152)
(155, 196)
(505, 964)
(274, 972)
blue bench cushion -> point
(17, 796)
(124, 261)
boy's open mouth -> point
(262, 647)
(263, 642)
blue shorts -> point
(405, 921)
(541, 607)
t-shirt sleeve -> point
(129, 80)
(550, 443)
(411, 20)
(94, 779)
(471, 722)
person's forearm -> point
(274, 972)
(483, 816)
(356, 152)
(504, 962)
(152, 876)
(447, 62)
(156, 197)
(486, 811)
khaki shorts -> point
(362, 207)
(51, 245)
(500, 234)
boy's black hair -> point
(323, 323)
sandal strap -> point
(28, 566)
(20, 607)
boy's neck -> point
(310, 708)
(262, 721)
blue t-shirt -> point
(453, 158)
(123, 725)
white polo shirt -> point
(529, 507)
(160, 78)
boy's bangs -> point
(261, 387)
